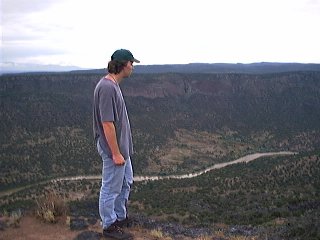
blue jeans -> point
(115, 189)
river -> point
(245, 159)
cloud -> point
(30, 30)
(12, 7)
(160, 32)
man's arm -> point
(110, 134)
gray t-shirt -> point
(109, 106)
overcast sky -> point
(86, 32)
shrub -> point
(8, 219)
(50, 206)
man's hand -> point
(110, 133)
(118, 159)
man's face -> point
(128, 69)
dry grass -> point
(50, 206)
(158, 234)
(11, 219)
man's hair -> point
(116, 66)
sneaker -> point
(127, 222)
(116, 232)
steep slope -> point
(46, 120)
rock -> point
(88, 235)
(3, 225)
(78, 224)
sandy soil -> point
(31, 228)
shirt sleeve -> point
(107, 104)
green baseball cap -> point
(123, 55)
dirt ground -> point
(31, 228)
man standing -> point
(114, 144)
